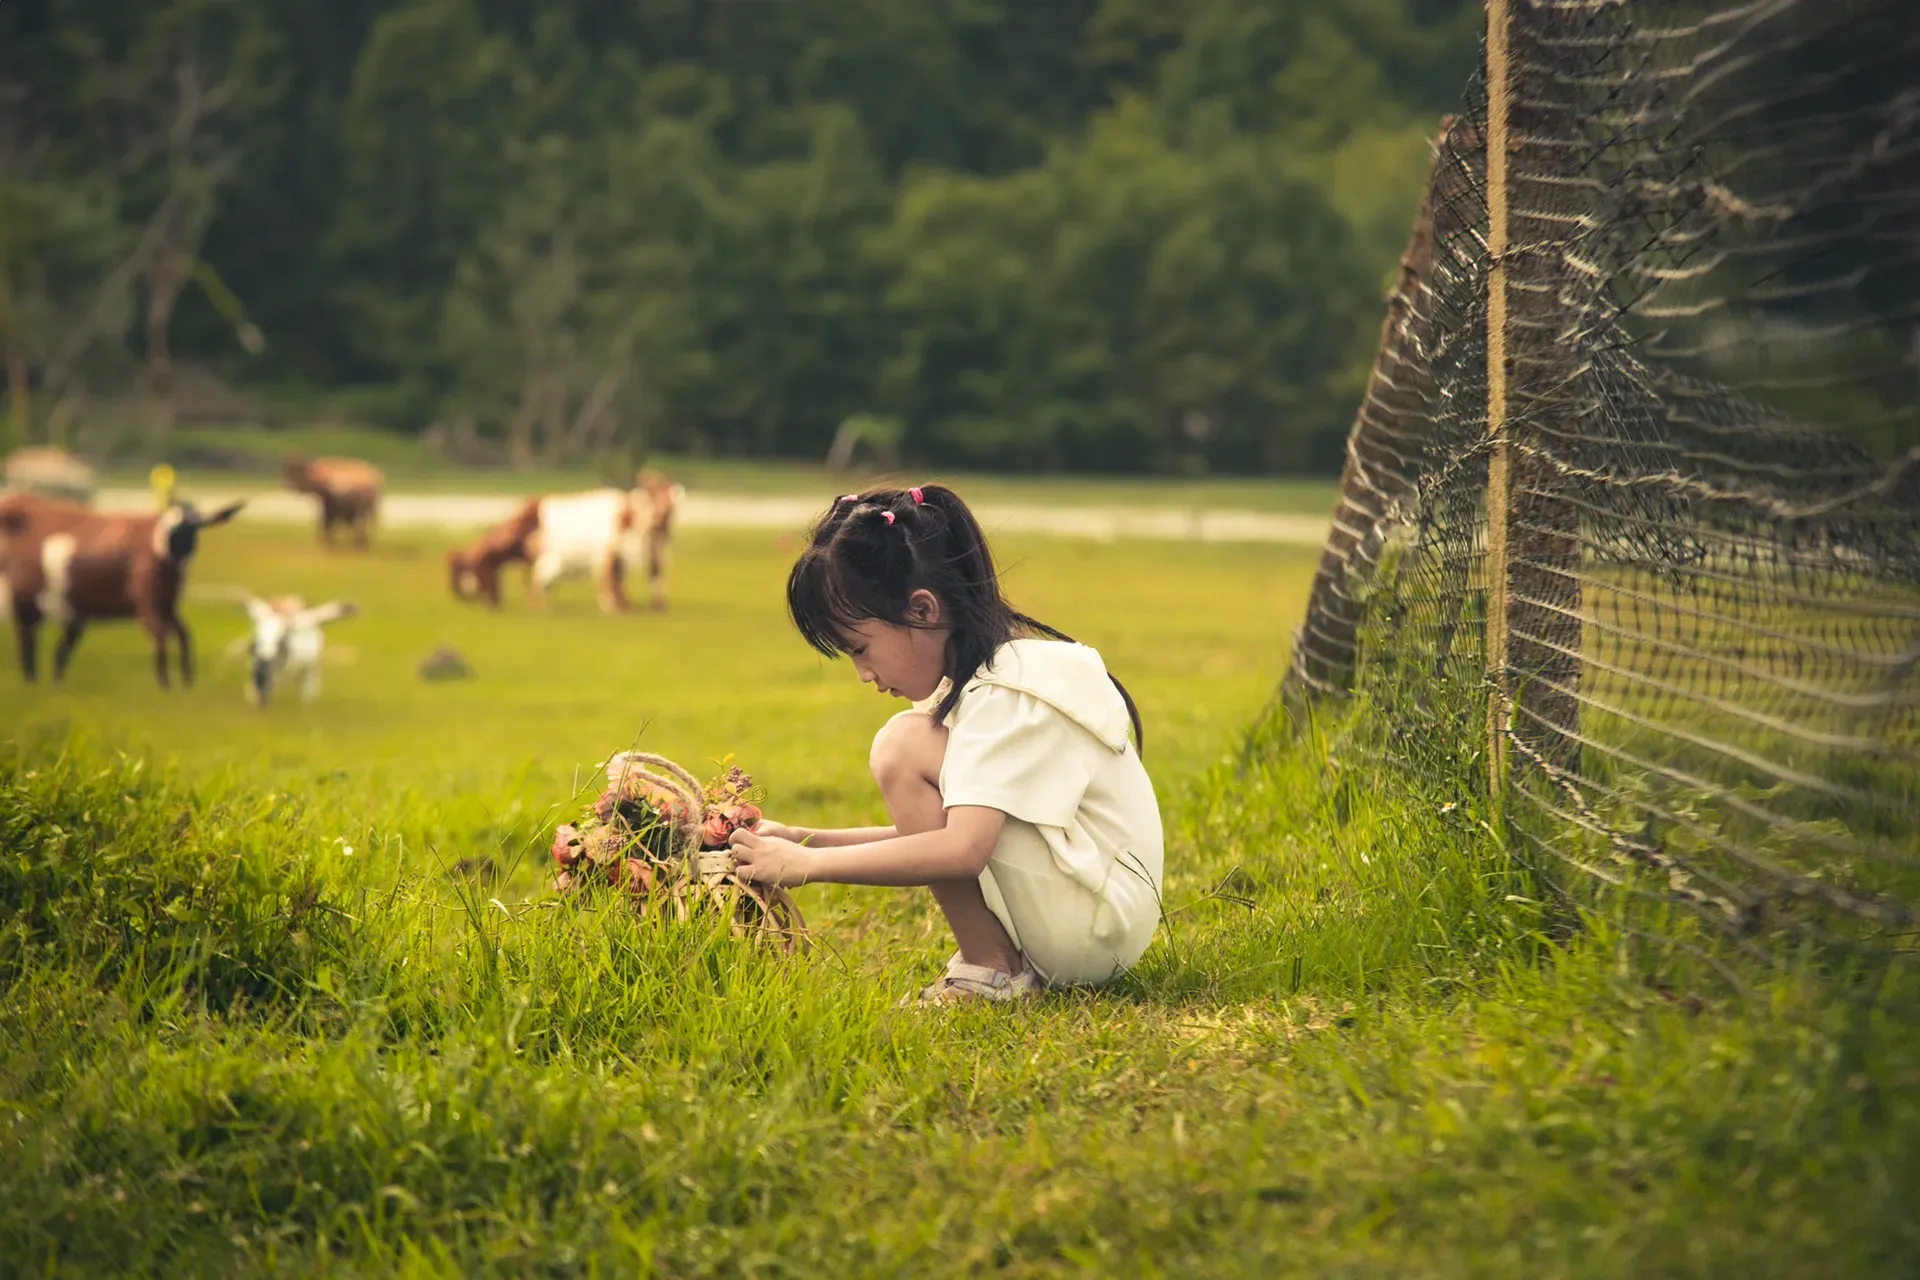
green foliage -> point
(121, 128)
(59, 244)
(592, 227)
(421, 133)
(1126, 299)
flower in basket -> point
(723, 822)
(734, 786)
(566, 844)
(637, 877)
(603, 846)
(729, 805)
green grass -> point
(253, 453)
(722, 670)
(249, 1022)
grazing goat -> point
(598, 534)
(287, 641)
(348, 489)
(475, 570)
(75, 566)
(664, 498)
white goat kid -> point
(287, 641)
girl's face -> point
(902, 661)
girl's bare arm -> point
(826, 838)
(956, 851)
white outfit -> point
(1041, 735)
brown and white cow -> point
(597, 534)
(75, 566)
(349, 492)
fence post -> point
(1539, 396)
(1499, 102)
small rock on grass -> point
(445, 663)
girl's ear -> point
(923, 609)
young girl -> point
(1015, 794)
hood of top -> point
(1070, 678)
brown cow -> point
(75, 566)
(348, 489)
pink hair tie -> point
(916, 496)
(888, 515)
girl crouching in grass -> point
(1016, 796)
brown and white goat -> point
(474, 570)
(597, 534)
(74, 566)
(663, 499)
(349, 492)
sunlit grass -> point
(251, 1020)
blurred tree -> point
(1126, 303)
(113, 152)
(560, 315)
(184, 94)
(424, 133)
(65, 286)
(1090, 233)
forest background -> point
(1121, 235)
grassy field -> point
(251, 1021)
(252, 453)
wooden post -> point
(1499, 101)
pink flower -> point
(744, 815)
(565, 837)
(601, 845)
(638, 878)
(715, 830)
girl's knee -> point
(908, 749)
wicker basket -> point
(647, 844)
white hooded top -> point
(1041, 735)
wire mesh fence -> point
(1631, 507)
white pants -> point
(1071, 935)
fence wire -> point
(1664, 567)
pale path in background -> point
(713, 510)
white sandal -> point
(963, 982)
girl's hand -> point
(778, 830)
(764, 859)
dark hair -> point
(873, 550)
